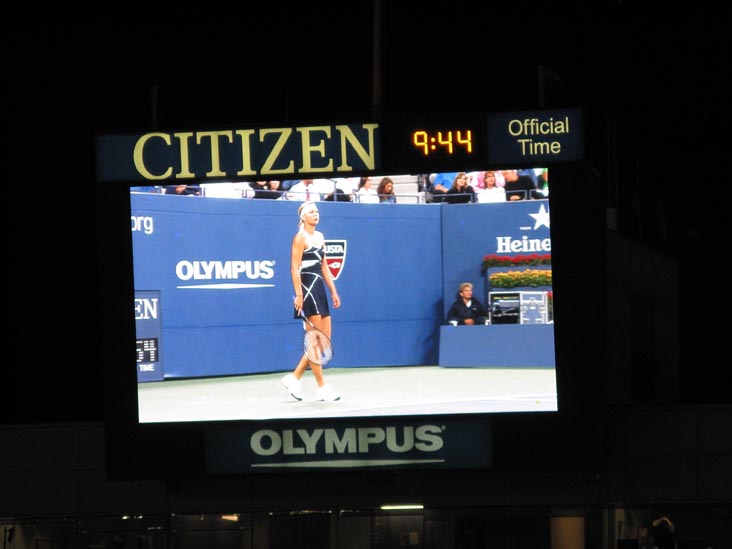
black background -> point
(653, 87)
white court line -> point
(366, 392)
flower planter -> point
(518, 278)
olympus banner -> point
(441, 444)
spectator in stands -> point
(266, 189)
(341, 191)
(460, 192)
(467, 310)
(365, 193)
(440, 183)
(183, 190)
(348, 185)
(518, 187)
(475, 180)
(259, 189)
(337, 196)
(663, 533)
(385, 191)
(542, 184)
(306, 191)
(275, 186)
(500, 180)
(491, 191)
(531, 173)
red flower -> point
(495, 260)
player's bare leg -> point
(324, 392)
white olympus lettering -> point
(424, 438)
(224, 270)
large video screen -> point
(434, 292)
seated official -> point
(467, 310)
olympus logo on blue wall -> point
(225, 274)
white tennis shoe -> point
(293, 386)
(326, 393)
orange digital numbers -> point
(420, 139)
(443, 141)
(466, 140)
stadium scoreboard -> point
(425, 144)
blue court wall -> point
(469, 233)
(240, 320)
(472, 231)
(222, 268)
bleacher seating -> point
(407, 189)
(226, 190)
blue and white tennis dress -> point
(314, 298)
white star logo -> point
(541, 218)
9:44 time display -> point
(443, 141)
(434, 143)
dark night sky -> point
(662, 78)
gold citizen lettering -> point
(138, 156)
(274, 151)
(185, 169)
(367, 157)
(308, 148)
(215, 153)
(246, 153)
(267, 168)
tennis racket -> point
(316, 344)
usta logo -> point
(335, 256)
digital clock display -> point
(435, 143)
(147, 350)
(443, 141)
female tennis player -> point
(310, 276)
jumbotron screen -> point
(362, 295)
(434, 291)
